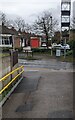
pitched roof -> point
(6, 30)
(12, 31)
(27, 35)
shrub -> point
(54, 51)
(72, 44)
(69, 53)
(19, 49)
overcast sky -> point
(29, 9)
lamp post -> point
(51, 35)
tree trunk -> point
(47, 40)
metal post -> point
(11, 62)
(51, 35)
(65, 49)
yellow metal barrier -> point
(4, 78)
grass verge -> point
(4, 55)
(67, 59)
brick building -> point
(57, 36)
(9, 37)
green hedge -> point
(40, 50)
(19, 49)
(5, 49)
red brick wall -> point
(16, 42)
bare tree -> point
(20, 24)
(3, 18)
(28, 28)
(45, 24)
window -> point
(5, 41)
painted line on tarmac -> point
(46, 69)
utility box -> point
(58, 52)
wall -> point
(5, 68)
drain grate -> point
(25, 107)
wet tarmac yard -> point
(49, 64)
(46, 91)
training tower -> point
(65, 20)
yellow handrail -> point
(12, 79)
(10, 73)
(11, 82)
